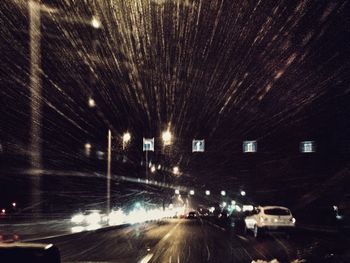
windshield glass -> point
(277, 212)
(152, 130)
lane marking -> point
(218, 227)
(243, 238)
(178, 258)
(167, 236)
(146, 258)
(170, 232)
(208, 253)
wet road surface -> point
(181, 240)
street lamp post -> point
(167, 140)
(146, 165)
(35, 101)
(109, 157)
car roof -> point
(273, 207)
(91, 211)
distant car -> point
(89, 217)
(269, 218)
(192, 215)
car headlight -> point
(293, 220)
(77, 218)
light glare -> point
(95, 22)
(126, 137)
(153, 169)
(166, 136)
(92, 103)
(176, 170)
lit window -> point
(198, 146)
(148, 144)
(307, 147)
(249, 146)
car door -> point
(251, 219)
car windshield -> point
(277, 212)
(159, 130)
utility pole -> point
(109, 171)
(147, 165)
(35, 101)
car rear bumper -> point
(284, 228)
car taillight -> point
(262, 219)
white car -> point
(266, 218)
(89, 217)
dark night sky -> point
(225, 71)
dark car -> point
(192, 215)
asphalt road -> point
(182, 240)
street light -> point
(176, 170)
(126, 138)
(95, 22)
(91, 102)
(243, 193)
(207, 192)
(223, 193)
(167, 136)
(87, 147)
(191, 192)
(153, 169)
(14, 204)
